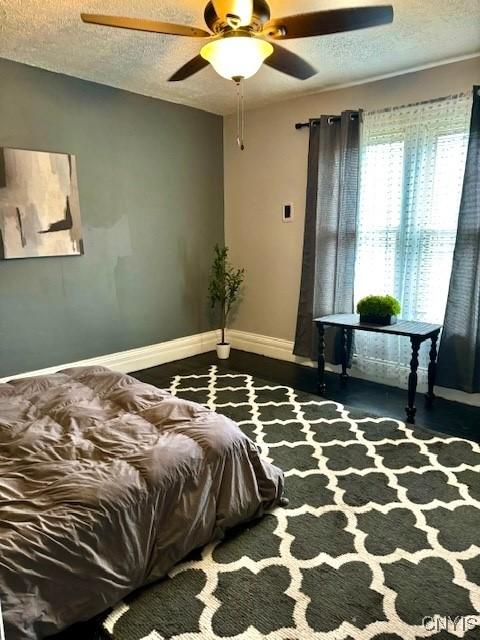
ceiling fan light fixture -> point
(239, 56)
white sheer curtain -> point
(412, 167)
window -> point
(412, 167)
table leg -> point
(321, 358)
(412, 381)
(346, 343)
(432, 369)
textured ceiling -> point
(49, 34)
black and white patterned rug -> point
(381, 539)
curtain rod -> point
(305, 125)
(466, 93)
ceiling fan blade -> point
(145, 25)
(287, 62)
(236, 13)
(192, 67)
(321, 23)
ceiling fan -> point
(241, 35)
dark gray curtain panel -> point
(459, 355)
(330, 230)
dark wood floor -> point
(376, 399)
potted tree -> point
(224, 289)
(380, 310)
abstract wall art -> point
(39, 205)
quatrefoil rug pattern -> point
(381, 535)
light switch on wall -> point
(287, 212)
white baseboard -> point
(283, 350)
(157, 354)
(264, 346)
(272, 348)
(137, 359)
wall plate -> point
(287, 212)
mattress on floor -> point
(105, 484)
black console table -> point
(418, 332)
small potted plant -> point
(224, 289)
(380, 310)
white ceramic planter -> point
(223, 351)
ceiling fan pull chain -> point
(240, 84)
(237, 85)
(243, 95)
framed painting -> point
(39, 205)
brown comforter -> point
(106, 483)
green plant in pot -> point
(224, 290)
(380, 310)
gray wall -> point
(150, 177)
